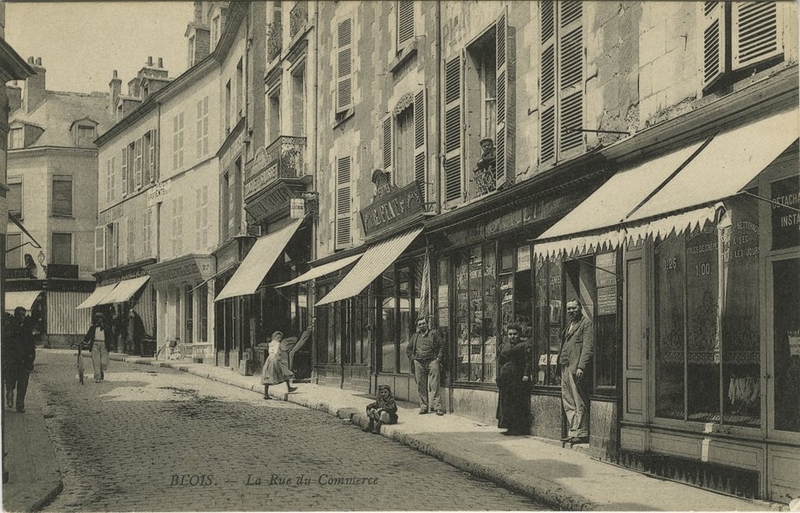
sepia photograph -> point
(400, 255)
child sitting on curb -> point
(383, 411)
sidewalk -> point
(559, 478)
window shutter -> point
(62, 196)
(109, 181)
(506, 61)
(122, 249)
(199, 128)
(547, 109)
(180, 140)
(124, 171)
(198, 218)
(113, 179)
(175, 143)
(405, 23)
(420, 143)
(205, 125)
(146, 233)
(137, 167)
(757, 32)
(204, 217)
(570, 75)
(453, 128)
(714, 49)
(387, 144)
(344, 80)
(99, 248)
(152, 167)
(343, 200)
(179, 227)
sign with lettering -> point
(391, 208)
(261, 180)
(297, 208)
(275, 202)
(524, 257)
(785, 222)
(606, 268)
(158, 193)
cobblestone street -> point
(157, 439)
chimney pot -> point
(38, 61)
(150, 60)
(115, 74)
(30, 59)
(160, 62)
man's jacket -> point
(577, 347)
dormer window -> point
(84, 132)
(16, 138)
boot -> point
(10, 398)
(370, 426)
(266, 392)
(289, 386)
(377, 429)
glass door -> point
(785, 351)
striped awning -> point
(25, 299)
(97, 296)
(322, 270)
(124, 290)
(374, 261)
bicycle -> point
(176, 349)
(80, 362)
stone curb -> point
(532, 487)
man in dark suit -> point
(19, 353)
(577, 346)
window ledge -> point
(62, 216)
(403, 56)
(342, 117)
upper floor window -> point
(215, 26)
(202, 127)
(299, 100)
(61, 252)
(85, 136)
(16, 138)
(344, 66)
(228, 108)
(738, 37)
(62, 196)
(177, 142)
(14, 196)
(405, 23)
(561, 92)
(111, 165)
(239, 90)
(404, 141)
(274, 114)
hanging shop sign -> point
(391, 204)
(785, 222)
(297, 208)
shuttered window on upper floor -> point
(62, 196)
(405, 23)
(420, 143)
(344, 66)
(739, 36)
(561, 100)
(14, 198)
(343, 235)
(453, 131)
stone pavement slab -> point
(559, 477)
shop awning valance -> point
(375, 260)
(258, 262)
(25, 299)
(96, 297)
(596, 221)
(322, 270)
(676, 192)
(124, 290)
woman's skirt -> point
(275, 371)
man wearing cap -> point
(426, 352)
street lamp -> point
(42, 259)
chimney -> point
(160, 63)
(198, 12)
(14, 93)
(115, 87)
(34, 86)
(150, 61)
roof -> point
(60, 110)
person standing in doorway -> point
(577, 347)
(513, 384)
(426, 352)
(97, 337)
(19, 353)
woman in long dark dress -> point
(513, 382)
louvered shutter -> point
(343, 200)
(109, 183)
(179, 235)
(344, 74)
(388, 153)
(137, 167)
(198, 218)
(570, 76)
(453, 128)
(175, 140)
(124, 181)
(199, 128)
(405, 23)
(757, 32)
(204, 217)
(99, 248)
(506, 61)
(146, 233)
(152, 164)
(547, 105)
(714, 48)
(62, 196)
(420, 143)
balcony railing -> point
(285, 158)
(297, 18)
(274, 41)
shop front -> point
(184, 302)
(707, 243)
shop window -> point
(202, 312)
(400, 296)
(189, 322)
(785, 284)
(607, 326)
(389, 307)
(443, 280)
(707, 323)
(324, 324)
(354, 331)
(476, 314)
(548, 320)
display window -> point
(549, 305)
(400, 291)
(707, 327)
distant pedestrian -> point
(97, 339)
(382, 411)
(513, 383)
(19, 353)
(426, 352)
(275, 370)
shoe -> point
(102, 376)
(10, 399)
(579, 440)
(266, 397)
(423, 411)
(439, 412)
(369, 427)
(292, 389)
(377, 429)
(20, 409)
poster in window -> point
(607, 300)
(785, 222)
(606, 269)
(524, 257)
(702, 294)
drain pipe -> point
(439, 141)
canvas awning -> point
(25, 299)
(124, 290)
(258, 262)
(96, 297)
(322, 270)
(375, 260)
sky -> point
(81, 43)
